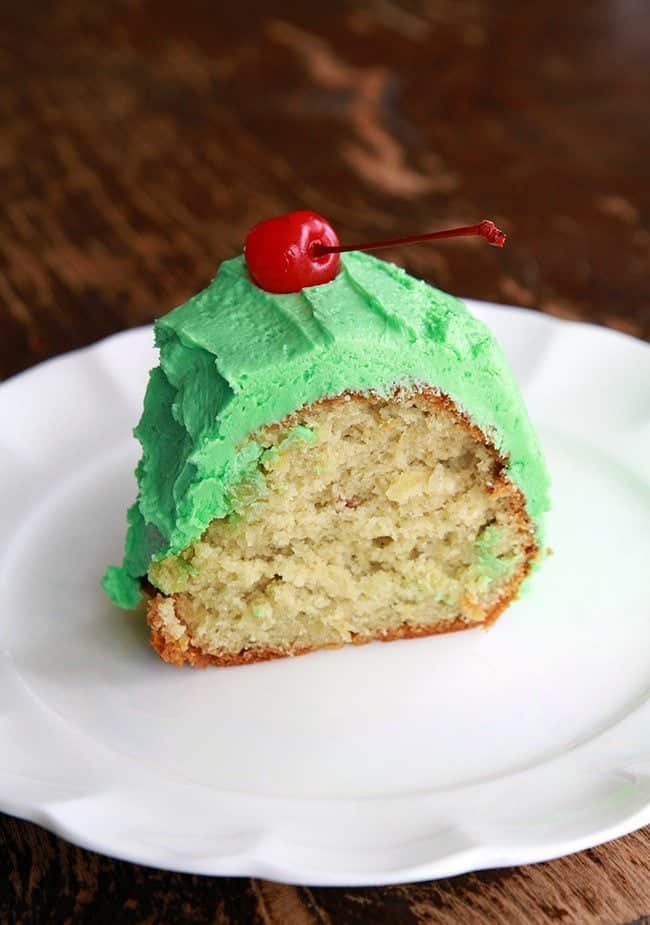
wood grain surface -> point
(140, 139)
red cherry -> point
(291, 252)
(281, 253)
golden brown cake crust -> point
(170, 650)
(178, 651)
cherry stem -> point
(485, 229)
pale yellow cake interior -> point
(365, 515)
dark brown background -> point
(141, 139)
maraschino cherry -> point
(279, 252)
(301, 249)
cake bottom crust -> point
(179, 651)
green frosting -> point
(235, 358)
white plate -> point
(387, 763)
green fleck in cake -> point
(348, 462)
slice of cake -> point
(347, 462)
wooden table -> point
(142, 138)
